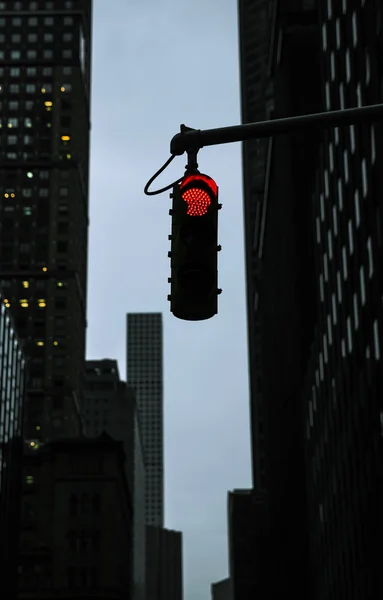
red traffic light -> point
(198, 191)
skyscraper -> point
(45, 55)
(318, 305)
(110, 406)
(12, 393)
(144, 375)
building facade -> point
(319, 306)
(76, 537)
(164, 564)
(145, 376)
(45, 54)
(12, 396)
(221, 590)
(110, 406)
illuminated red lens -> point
(198, 202)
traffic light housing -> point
(194, 248)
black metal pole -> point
(194, 139)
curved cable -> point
(155, 177)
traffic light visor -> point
(198, 191)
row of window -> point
(34, 37)
(30, 192)
(48, 54)
(32, 88)
(35, 21)
(35, 5)
(32, 71)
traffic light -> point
(194, 248)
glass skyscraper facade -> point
(12, 394)
(314, 251)
(45, 52)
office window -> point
(16, 22)
(33, 21)
(48, 21)
(30, 88)
(32, 37)
(13, 105)
(48, 54)
(31, 71)
(14, 88)
(67, 53)
(31, 54)
(68, 21)
(48, 37)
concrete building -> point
(110, 406)
(250, 554)
(164, 564)
(12, 396)
(221, 590)
(45, 56)
(317, 302)
(76, 538)
(145, 376)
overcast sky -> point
(157, 64)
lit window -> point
(331, 156)
(48, 21)
(370, 259)
(26, 284)
(343, 346)
(362, 286)
(44, 174)
(329, 329)
(373, 149)
(40, 343)
(321, 287)
(348, 66)
(329, 237)
(325, 267)
(356, 313)
(318, 230)
(376, 340)
(337, 33)
(354, 29)
(12, 140)
(30, 88)
(27, 211)
(329, 9)
(15, 72)
(344, 262)
(328, 100)
(352, 138)
(326, 186)
(65, 138)
(32, 21)
(32, 54)
(48, 37)
(350, 237)
(357, 208)
(339, 286)
(13, 122)
(29, 479)
(16, 21)
(364, 177)
(13, 105)
(335, 220)
(324, 37)
(15, 55)
(322, 213)
(14, 88)
(24, 303)
(349, 334)
(332, 66)
(345, 164)
(41, 302)
(340, 194)
(43, 192)
(32, 37)
(359, 95)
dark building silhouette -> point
(110, 406)
(77, 528)
(12, 395)
(164, 564)
(315, 304)
(248, 546)
(221, 590)
(45, 51)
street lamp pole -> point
(191, 140)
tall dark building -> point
(221, 590)
(110, 406)
(12, 393)
(145, 376)
(318, 304)
(45, 55)
(164, 564)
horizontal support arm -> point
(194, 139)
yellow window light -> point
(43, 90)
(6, 195)
(40, 343)
(69, 156)
(38, 427)
(30, 174)
(45, 269)
(24, 304)
(42, 303)
(32, 444)
(26, 284)
(55, 343)
(6, 300)
(65, 138)
(48, 103)
(62, 89)
(29, 479)
(7, 305)
(13, 195)
(10, 125)
(60, 284)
